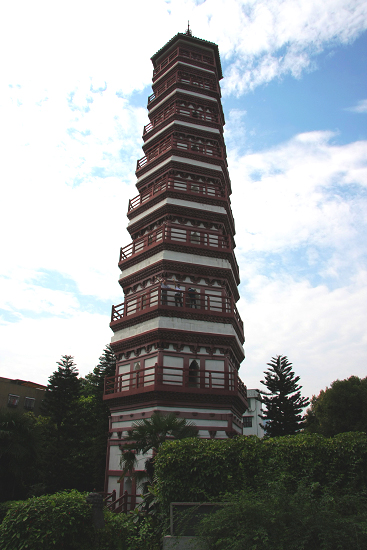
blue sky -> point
(74, 83)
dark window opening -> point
(247, 421)
(29, 403)
(13, 400)
(193, 374)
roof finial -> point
(188, 32)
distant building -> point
(251, 418)
(21, 395)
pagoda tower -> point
(178, 335)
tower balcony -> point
(183, 109)
(160, 378)
(195, 240)
(188, 80)
(187, 302)
(185, 55)
(180, 234)
(189, 187)
(195, 145)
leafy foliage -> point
(20, 448)
(283, 400)
(340, 408)
(95, 416)
(93, 384)
(148, 434)
(65, 447)
(194, 470)
(273, 517)
(5, 506)
(62, 520)
(76, 427)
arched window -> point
(136, 374)
(194, 374)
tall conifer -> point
(283, 401)
(62, 392)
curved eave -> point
(180, 396)
(193, 40)
(193, 211)
(161, 334)
(158, 267)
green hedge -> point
(4, 507)
(62, 520)
(274, 518)
(198, 470)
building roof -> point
(27, 383)
(192, 40)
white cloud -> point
(69, 172)
(301, 232)
(19, 296)
(55, 44)
(266, 39)
(361, 107)
(301, 192)
(31, 347)
(321, 331)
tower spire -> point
(188, 32)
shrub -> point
(276, 518)
(4, 508)
(194, 470)
(62, 520)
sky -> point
(74, 81)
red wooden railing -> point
(108, 498)
(153, 297)
(178, 235)
(199, 146)
(179, 185)
(184, 53)
(165, 62)
(124, 503)
(160, 378)
(199, 112)
(182, 77)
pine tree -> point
(283, 401)
(94, 381)
(61, 406)
(62, 392)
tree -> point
(284, 404)
(76, 426)
(340, 408)
(93, 384)
(95, 413)
(148, 435)
(63, 457)
(20, 447)
(279, 516)
(62, 393)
